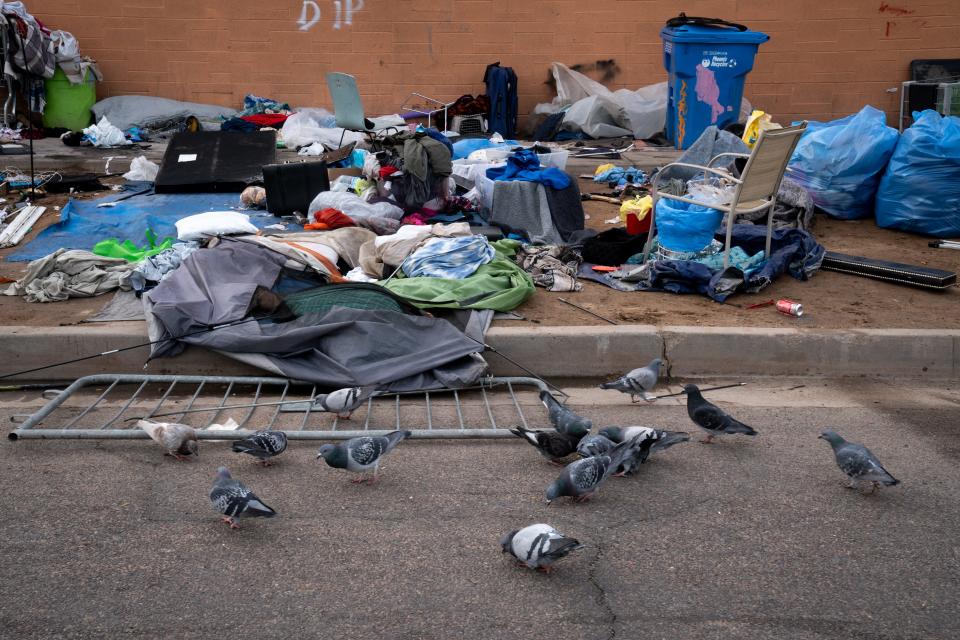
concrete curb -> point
(559, 352)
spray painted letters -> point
(310, 13)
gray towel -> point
(523, 206)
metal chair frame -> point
(745, 183)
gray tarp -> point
(342, 347)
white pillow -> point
(213, 223)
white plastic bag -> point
(142, 169)
(711, 191)
(308, 126)
(213, 223)
(104, 134)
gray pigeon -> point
(664, 439)
(639, 382)
(710, 417)
(595, 445)
(538, 546)
(858, 462)
(179, 440)
(363, 454)
(581, 479)
(262, 445)
(235, 501)
(562, 419)
(343, 402)
(552, 445)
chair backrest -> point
(764, 170)
(347, 108)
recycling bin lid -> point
(709, 30)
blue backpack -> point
(502, 90)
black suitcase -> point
(292, 186)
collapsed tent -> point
(157, 114)
(340, 347)
(598, 112)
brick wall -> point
(825, 59)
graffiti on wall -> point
(343, 10)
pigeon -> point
(664, 439)
(581, 479)
(262, 445)
(360, 455)
(710, 417)
(343, 402)
(564, 420)
(638, 382)
(235, 501)
(595, 445)
(538, 546)
(552, 445)
(179, 440)
(858, 463)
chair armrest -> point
(729, 153)
(718, 172)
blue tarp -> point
(83, 224)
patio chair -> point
(755, 189)
(347, 108)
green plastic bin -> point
(68, 105)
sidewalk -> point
(852, 326)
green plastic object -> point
(68, 105)
(127, 250)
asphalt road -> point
(749, 538)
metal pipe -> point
(138, 434)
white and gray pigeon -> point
(581, 479)
(552, 445)
(538, 546)
(639, 382)
(262, 445)
(178, 440)
(858, 463)
(343, 402)
(664, 440)
(595, 445)
(711, 418)
(564, 420)
(362, 455)
(231, 498)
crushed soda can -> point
(790, 308)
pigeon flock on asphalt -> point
(612, 451)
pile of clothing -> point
(257, 113)
(34, 52)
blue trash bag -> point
(920, 190)
(840, 162)
(685, 227)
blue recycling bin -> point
(707, 66)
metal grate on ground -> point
(107, 406)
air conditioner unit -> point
(948, 98)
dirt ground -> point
(831, 300)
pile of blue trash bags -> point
(857, 167)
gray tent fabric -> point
(123, 306)
(339, 348)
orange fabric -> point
(335, 275)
